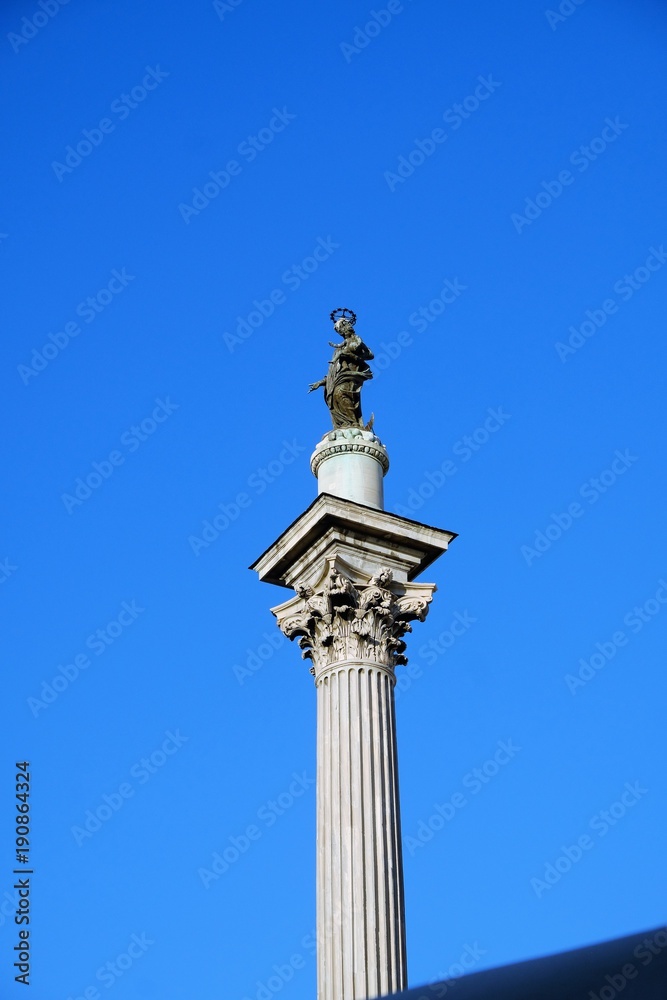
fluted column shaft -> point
(352, 632)
(360, 905)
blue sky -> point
(188, 191)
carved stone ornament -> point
(348, 440)
(339, 621)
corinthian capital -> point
(339, 620)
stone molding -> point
(349, 440)
(368, 538)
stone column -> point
(360, 909)
(353, 637)
(352, 566)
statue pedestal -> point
(351, 463)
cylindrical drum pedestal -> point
(351, 463)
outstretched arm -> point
(317, 385)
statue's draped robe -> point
(342, 388)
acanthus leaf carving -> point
(347, 621)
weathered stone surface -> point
(344, 622)
(353, 570)
(366, 540)
(360, 906)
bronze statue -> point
(348, 370)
